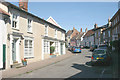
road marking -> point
(102, 72)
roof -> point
(80, 35)
(51, 20)
(89, 33)
(4, 12)
(15, 7)
(104, 26)
(118, 12)
(69, 32)
(75, 37)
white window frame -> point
(29, 24)
(46, 47)
(56, 47)
(28, 49)
(55, 33)
(16, 20)
(46, 30)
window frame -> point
(46, 30)
(29, 24)
(16, 20)
(28, 48)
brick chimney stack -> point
(86, 30)
(81, 30)
(73, 28)
(23, 4)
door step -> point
(15, 65)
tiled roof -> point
(4, 12)
(80, 35)
(89, 33)
(69, 32)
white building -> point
(88, 39)
(3, 20)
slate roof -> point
(104, 26)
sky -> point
(74, 14)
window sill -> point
(30, 32)
(15, 29)
(28, 57)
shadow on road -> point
(87, 71)
(88, 56)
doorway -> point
(14, 49)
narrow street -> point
(77, 66)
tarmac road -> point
(77, 66)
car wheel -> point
(92, 64)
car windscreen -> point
(99, 52)
(77, 47)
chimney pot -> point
(81, 30)
(23, 4)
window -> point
(46, 30)
(103, 34)
(62, 35)
(29, 25)
(108, 33)
(56, 47)
(28, 48)
(55, 33)
(95, 34)
(14, 21)
(46, 46)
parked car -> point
(77, 49)
(70, 48)
(103, 46)
(93, 47)
(86, 47)
(100, 56)
(81, 46)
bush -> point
(52, 49)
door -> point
(4, 55)
(14, 50)
(61, 48)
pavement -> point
(12, 72)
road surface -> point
(77, 66)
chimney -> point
(23, 4)
(95, 26)
(73, 28)
(81, 30)
(109, 23)
(86, 30)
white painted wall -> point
(1, 41)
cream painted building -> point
(30, 37)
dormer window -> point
(29, 25)
(14, 21)
(46, 30)
(55, 33)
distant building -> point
(88, 39)
(69, 37)
(98, 34)
(115, 23)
